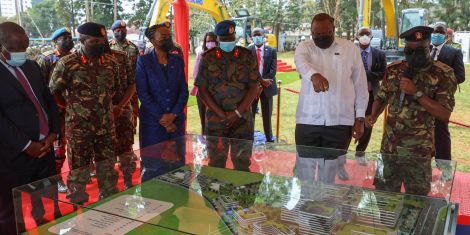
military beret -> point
(118, 24)
(225, 28)
(450, 31)
(60, 32)
(417, 34)
(92, 29)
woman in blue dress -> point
(162, 89)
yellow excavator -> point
(393, 24)
(244, 21)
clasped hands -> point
(167, 122)
(229, 119)
(39, 149)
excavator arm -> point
(214, 7)
(390, 13)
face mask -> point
(418, 58)
(323, 42)
(120, 36)
(96, 50)
(437, 38)
(210, 45)
(258, 40)
(228, 46)
(16, 58)
(364, 40)
(167, 45)
(65, 45)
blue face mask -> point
(227, 46)
(16, 58)
(437, 39)
(258, 40)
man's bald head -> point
(8, 29)
(13, 37)
(364, 31)
(440, 28)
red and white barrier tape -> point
(450, 121)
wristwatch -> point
(418, 95)
(360, 119)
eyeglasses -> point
(418, 50)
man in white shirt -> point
(333, 97)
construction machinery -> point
(393, 24)
(244, 21)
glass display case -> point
(209, 185)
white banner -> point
(464, 39)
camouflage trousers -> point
(135, 110)
(59, 145)
(125, 130)
(415, 172)
(239, 139)
(81, 151)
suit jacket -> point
(159, 95)
(19, 122)
(454, 58)
(269, 68)
(377, 69)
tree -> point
(456, 13)
(141, 8)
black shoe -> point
(61, 187)
(343, 175)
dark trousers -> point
(442, 140)
(323, 144)
(12, 178)
(364, 140)
(202, 113)
(267, 112)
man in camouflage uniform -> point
(228, 82)
(417, 91)
(84, 83)
(62, 38)
(123, 115)
(450, 39)
(120, 43)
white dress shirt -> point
(438, 48)
(347, 97)
(12, 71)
(261, 63)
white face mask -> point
(364, 40)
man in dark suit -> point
(267, 65)
(29, 124)
(445, 53)
(375, 64)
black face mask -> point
(96, 50)
(323, 41)
(120, 36)
(167, 44)
(65, 45)
(417, 58)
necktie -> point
(43, 125)
(366, 67)
(364, 60)
(433, 53)
(258, 56)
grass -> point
(460, 135)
